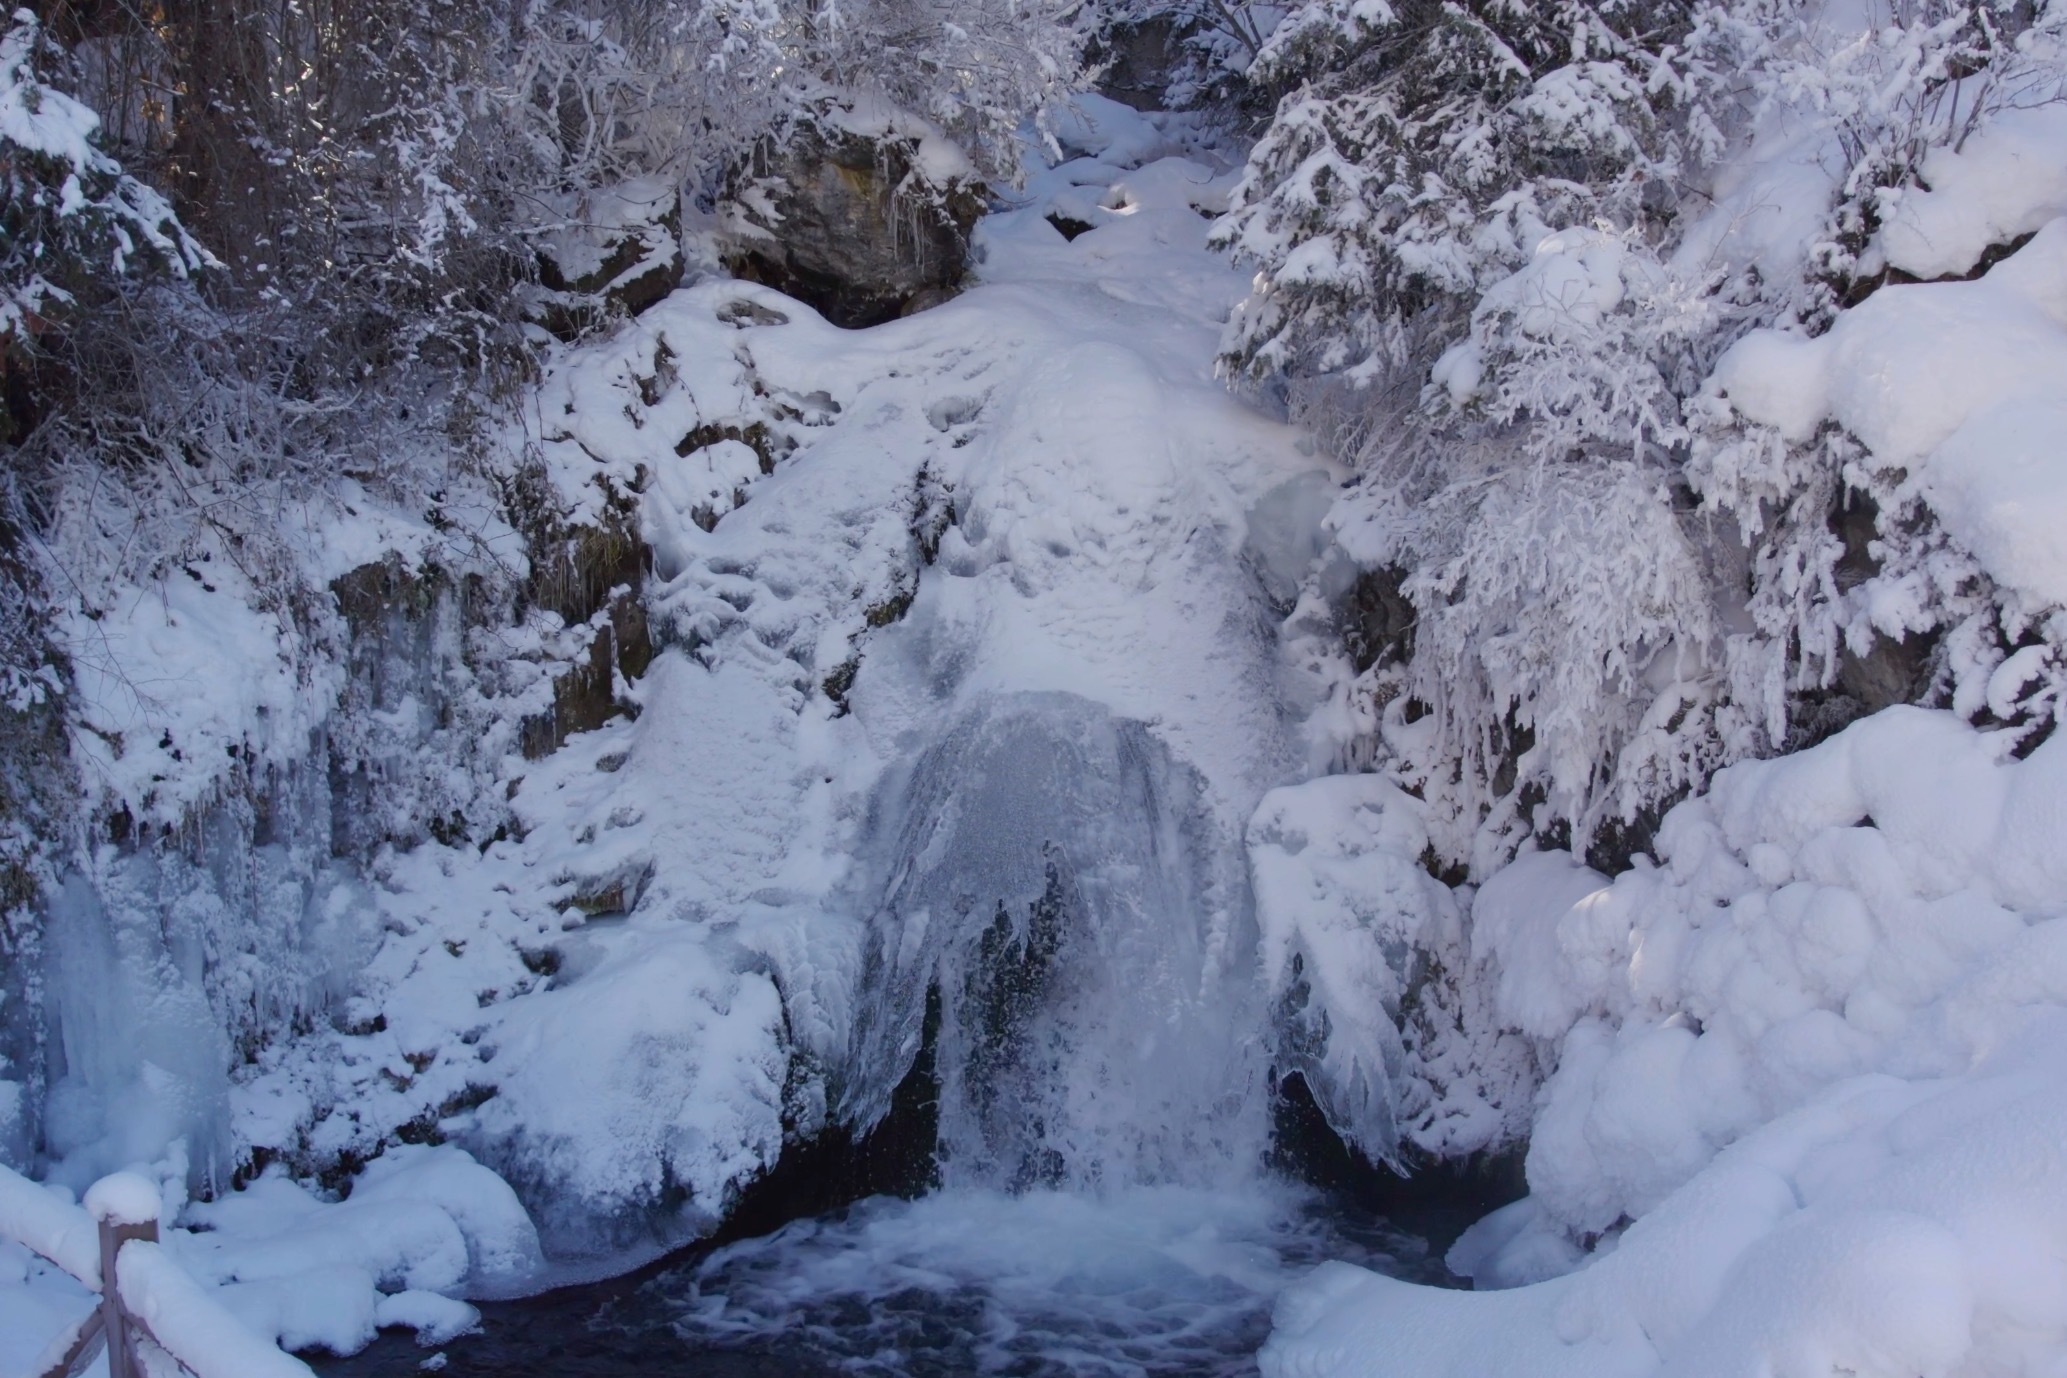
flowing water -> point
(1044, 1283)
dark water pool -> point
(1148, 1281)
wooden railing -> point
(146, 1298)
(107, 1325)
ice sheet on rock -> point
(1344, 904)
(142, 1052)
(1050, 867)
(174, 680)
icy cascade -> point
(1052, 871)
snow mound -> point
(1813, 1056)
(420, 1225)
(2006, 181)
(1955, 382)
(1888, 1227)
(124, 1198)
(679, 1062)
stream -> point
(1042, 1284)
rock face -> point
(614, 247)
(864, 219)
(1138, 59)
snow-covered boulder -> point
(617, 246)
(1956, 383)
(865, 213)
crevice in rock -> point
(838, 1166)
(1435, 1198)
(1069, 226)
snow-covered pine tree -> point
(1455, 216)
(71, 219)
(1422, 150)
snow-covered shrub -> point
(1929, 77)
(688, 86)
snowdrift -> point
(1809, 1096)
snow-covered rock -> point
(1955, 382)
(864, 212)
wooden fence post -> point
(115, 1322)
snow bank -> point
(1955, 382)
(421, 1218)
(420, 1225)
(1813, 1056)
(192, 1324)
(2005, 181)
(1888, 1228)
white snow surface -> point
(1956, 383)
(2006, 181)
(1813, 1055)
(50, 1224)
(269, 1264)
(124, 1198)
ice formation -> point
(896, 714)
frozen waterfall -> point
(1050, 867)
